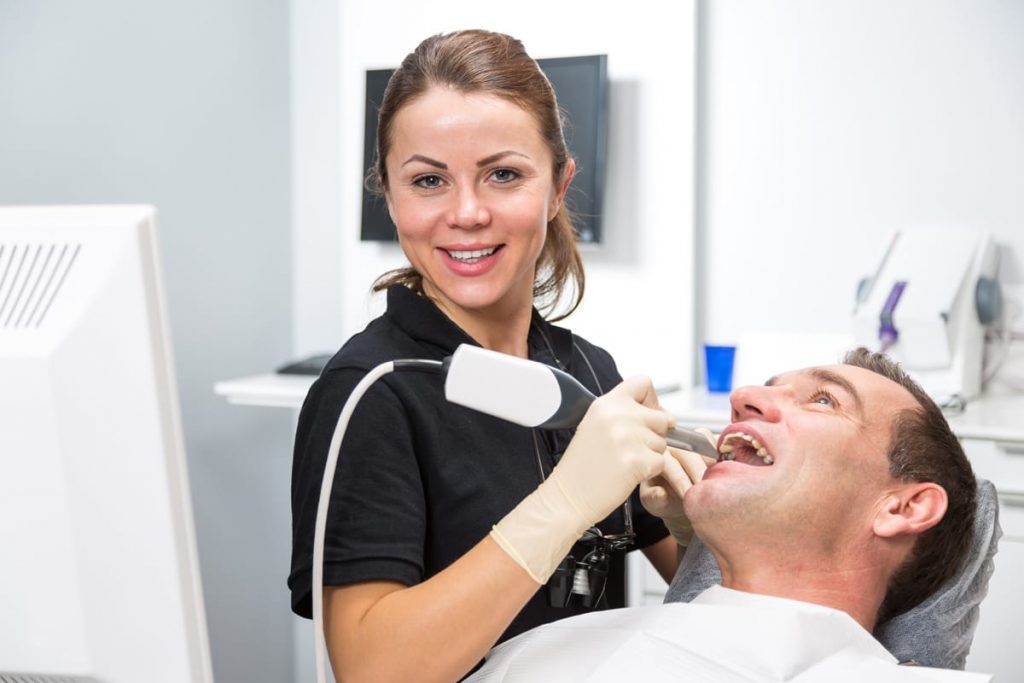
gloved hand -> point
(662, 495)
(618, 444)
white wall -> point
(639, 302)
(315, 176)
(184, 104)
(826, 125)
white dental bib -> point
(723, 636)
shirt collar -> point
(546, 339)
(423, 321)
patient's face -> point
(826, 433)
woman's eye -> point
(428, 182)
(504, 175)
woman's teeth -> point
(727, 449)
(470, 256)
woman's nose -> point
(468, 211)
(755, 401)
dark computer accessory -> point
(311, 365)
(582, 578)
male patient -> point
(840, 498)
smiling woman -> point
(449, 531)
(472, 190)
(464, 70)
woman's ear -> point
(911, 509)
(561, 188)
(391, 210)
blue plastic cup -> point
(718, 362)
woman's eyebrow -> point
(499, 156)
(427, 160)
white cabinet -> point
(995, 649)
(644, 585)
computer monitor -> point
(99, 577)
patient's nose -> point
(755, 402)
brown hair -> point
(923, 448)
(496, 64)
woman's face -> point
(471, 191)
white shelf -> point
(998, 417)
(278, 391)
(697, 407)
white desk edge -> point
(996, 417)
(274, 390)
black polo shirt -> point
(420, 481)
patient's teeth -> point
(728, 447)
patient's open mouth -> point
(744, 448)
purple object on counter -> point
(887, 333)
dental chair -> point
(936, 633)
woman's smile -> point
(471, 260)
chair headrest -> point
(939, 631)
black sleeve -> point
(375, 527)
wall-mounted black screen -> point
(581, 85)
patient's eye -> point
(824, 398)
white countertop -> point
(993, 416)
(999, 417)
(280, 391)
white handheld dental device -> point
(532, 394)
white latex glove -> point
(663, 494)
(618, 444)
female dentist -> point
(446, 526)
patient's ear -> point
(911, 509)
